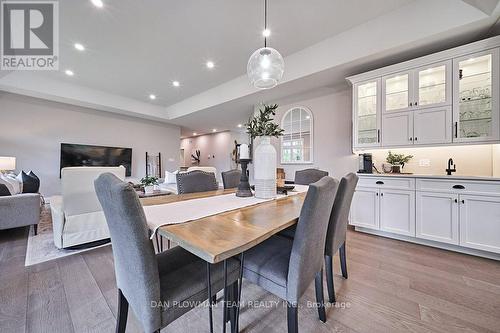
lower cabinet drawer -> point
(387, 182)
(458, 186)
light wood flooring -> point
(393, 286)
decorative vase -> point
(396, 168)
(265, 169)
(149, 189)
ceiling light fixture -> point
(152, 96)
(240, 125)
(69, 72)
(210, 64)
(266, 65)
(214, 130)
(176, 83)
(194, 133)
(97, 3)
(79, 47)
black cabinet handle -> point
(456, 129)
(411, 104)
(415, 103)
(376, 194)
(411, 139)
(456, 200)
(381, 194)
(459, 187)
(378, 135)
(379, 182)
(463, 201)
(416, 138)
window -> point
(297, 139)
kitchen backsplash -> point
(471, 160)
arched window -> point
(297, 139)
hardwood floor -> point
(393, 286)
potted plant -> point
(398, 161)
(149, 183)
(263, 127)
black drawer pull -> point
(456, 200)
(379, 182)
(459, 187)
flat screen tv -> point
(85, 155)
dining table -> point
(219, 237)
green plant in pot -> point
(398, 161)
(149, 183)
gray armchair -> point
(231, 178)
(20, 210)
(159, 288)
(196, 181)
(309, 176)
(286, 267)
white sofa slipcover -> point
(77, 216)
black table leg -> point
(224, 304)
(238, 297)
(209, 287)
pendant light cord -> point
(265, 22)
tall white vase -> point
(265, 169)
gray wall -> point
(332, 134)
(32, 130)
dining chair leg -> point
(343, 262)
(121, 320)
(292, 317)
(320, 298)
(209, 287)
(329, 278)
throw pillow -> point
(170, 177)
(31, 183)
(4, 190)
(5, 180)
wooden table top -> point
(224, 235)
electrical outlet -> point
(424, 162)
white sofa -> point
(77, 216)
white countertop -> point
(407, 175)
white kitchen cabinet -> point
(397, 129)
(432, 125)
(432, 85)
(365, 208)
(366, 116)
(437, 217)
(397, 92)
(476, 97)
(480, 222)
(397, 212)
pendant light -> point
(266, 66)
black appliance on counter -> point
(365, 163)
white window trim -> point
(311, 135)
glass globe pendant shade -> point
(265, 68)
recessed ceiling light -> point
(69, 72)
(97, 3)
(194, 133)
(210, 64)
(266, 33)
(176, 83)
(151, 96)
(240, 125)
(79, 47)
(214, 130)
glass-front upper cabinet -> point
(432, 85)
(367, 114)
(396, 92)
(476, 97)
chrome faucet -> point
(450, 170)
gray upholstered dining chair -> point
(231, 178)
(309, 176)
(196, 181)
(157, 287)
(286, 267)
(337, 229)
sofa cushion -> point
(31, 183)
(4, 191)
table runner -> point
(194, 209)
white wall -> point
(332, 134)
(216, 150)
(32, 130)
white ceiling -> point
(134, 48)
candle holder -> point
(244, 186)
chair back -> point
(309, 176)
(135, 262)
(308, 247)
(337, 227)
(77, 188)
(196, 181)
(231, 178)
